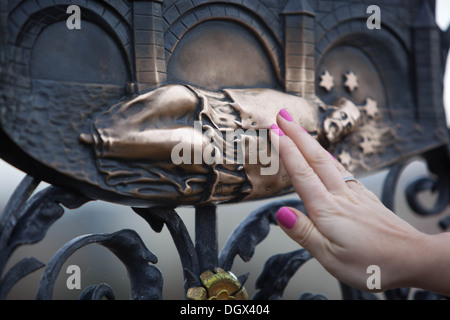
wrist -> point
(431, 263)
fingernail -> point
(286, 217)
(286, 115)
(277, 130)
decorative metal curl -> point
(438, 164)
(252, 231)
(27, 222)
(98, 292)
(157, 217)
(440, 185)
(145, 279)
(277, 272)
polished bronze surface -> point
(173, 119)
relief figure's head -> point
(345, 119)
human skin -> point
(348, 228)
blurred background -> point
(98, 265)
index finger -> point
(305, 181)
(317, 157)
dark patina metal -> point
(92, 112)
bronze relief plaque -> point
(120, 108)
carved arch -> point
(225, 12)
(29, 18)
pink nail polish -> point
(286, 217)
(277, 130)
(332, 156)
(286, 115)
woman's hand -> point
(348, 228)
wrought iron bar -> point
(26, 221)
(156, 217)
(277, 272)
(206, 242)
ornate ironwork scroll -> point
(160, 104)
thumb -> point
(300, 228)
